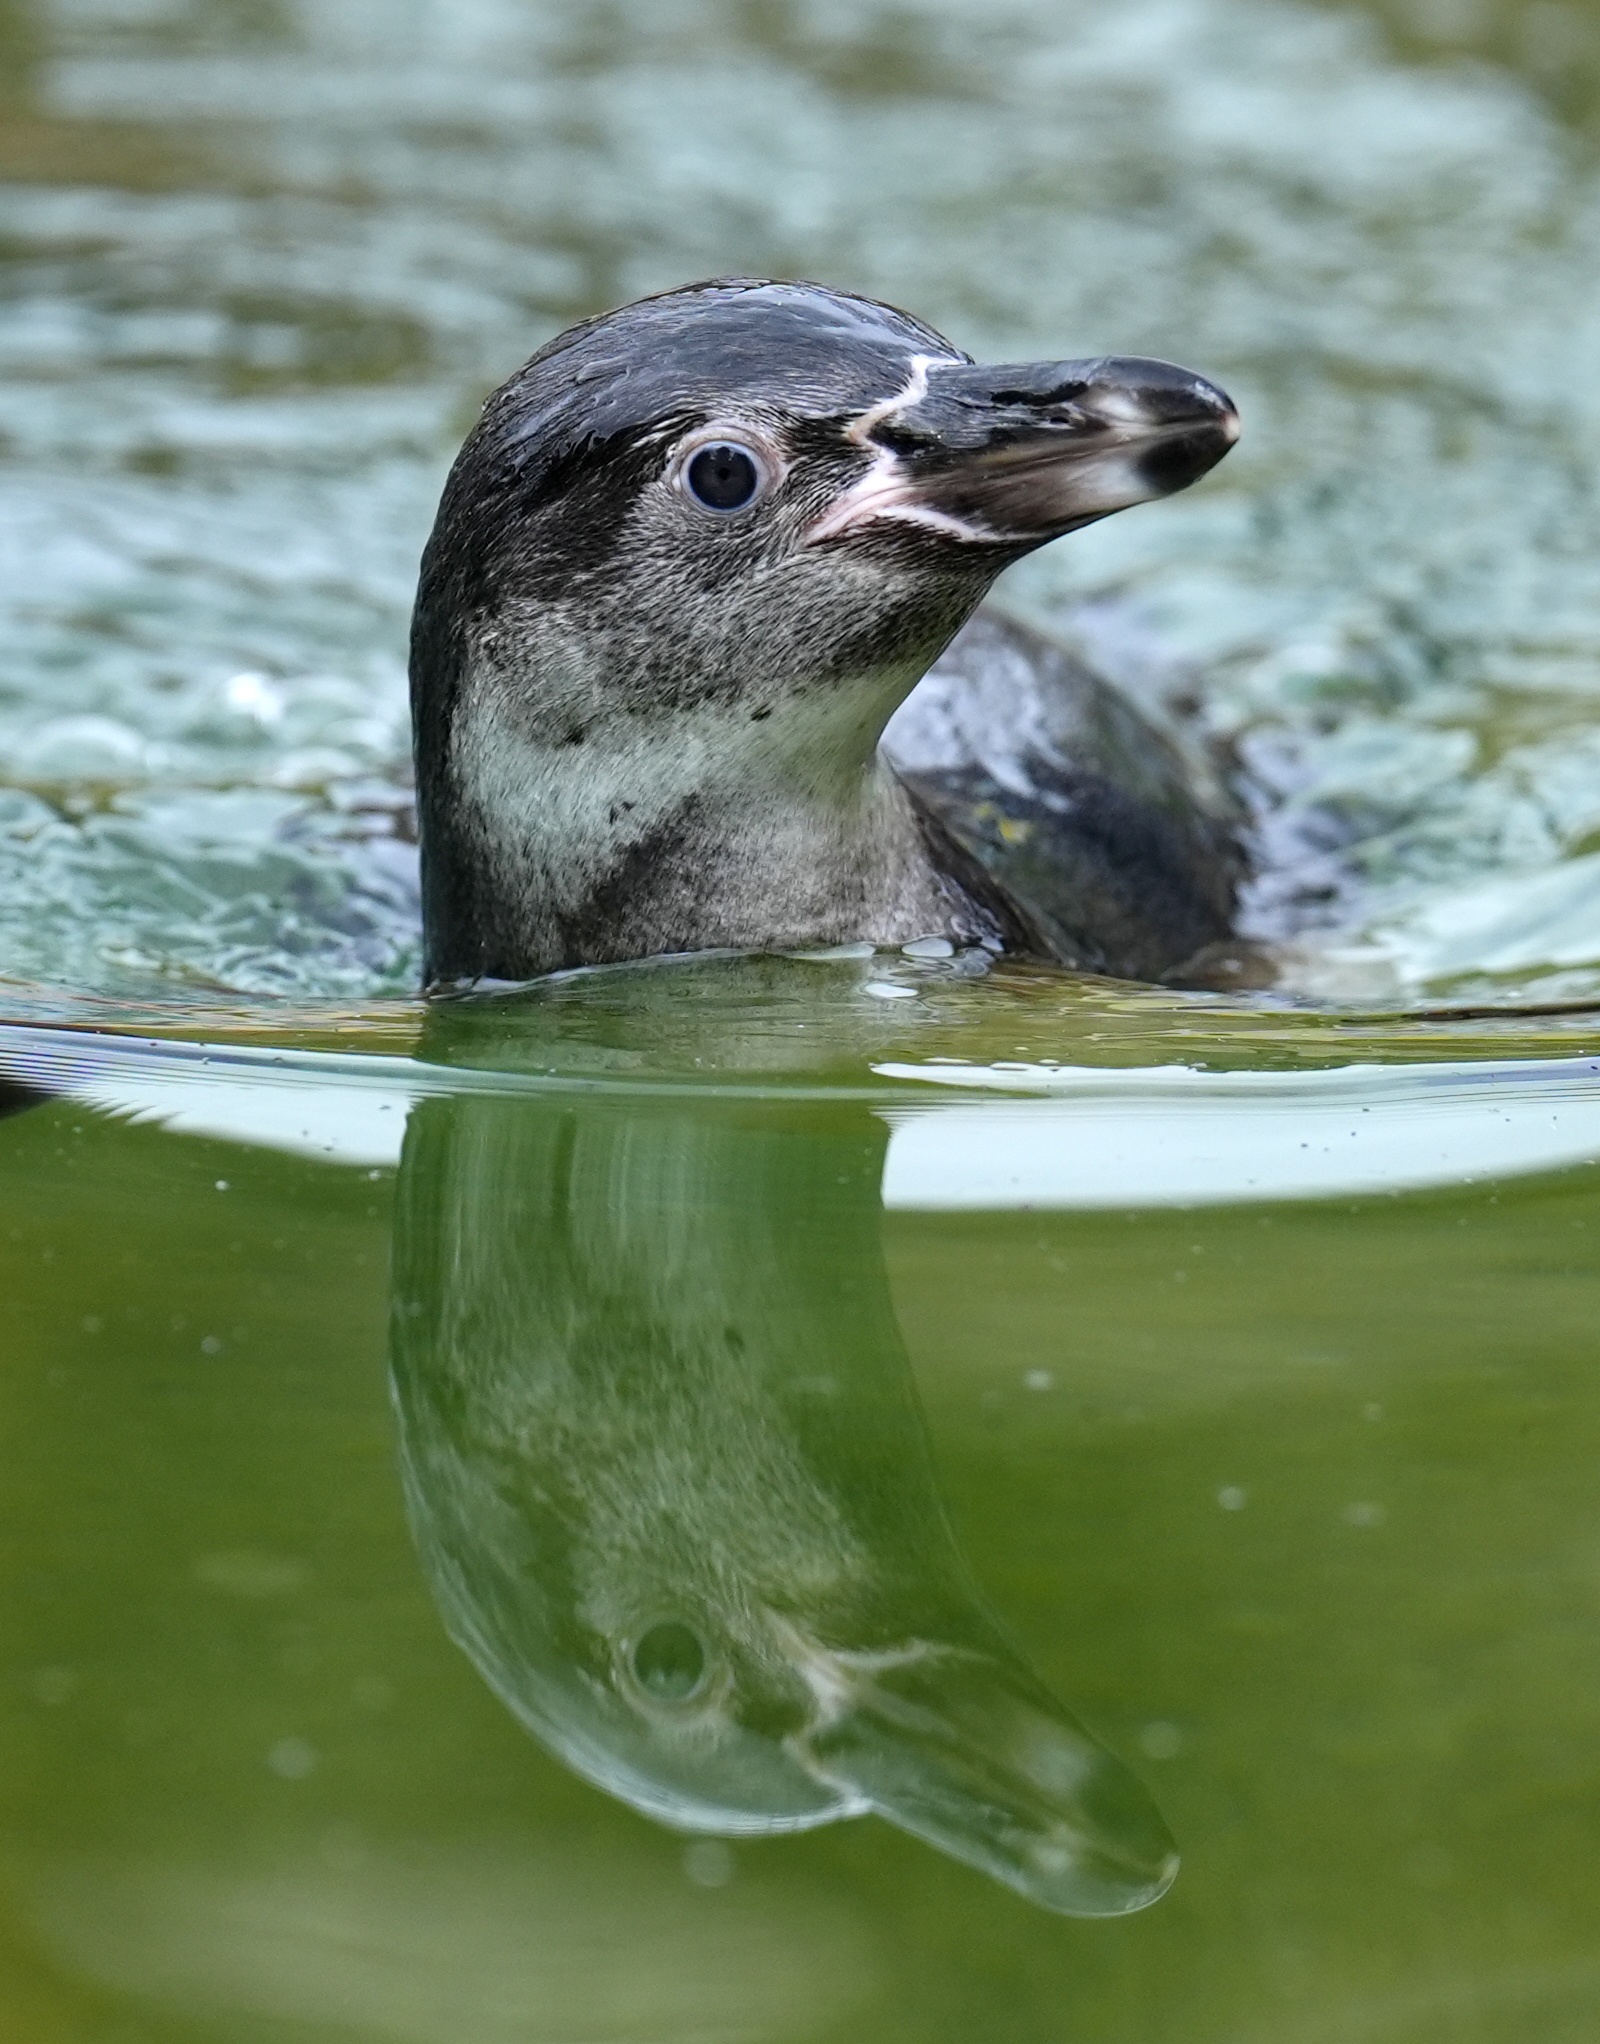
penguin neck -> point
(719, 825)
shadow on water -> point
(669, 1481)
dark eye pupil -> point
(669, 1662)
(723, 477)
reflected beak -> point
(971, 1753)
(1012, 455)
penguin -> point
(688, 564)
(671, 1490)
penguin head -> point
(726, 1716)
(743, 493)
(717, 1693)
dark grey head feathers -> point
(685, 567)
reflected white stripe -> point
(338, 1124)
(1087, 1137)
(1169, 1136)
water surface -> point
(1279, 1500)
(262, 263)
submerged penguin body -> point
(687, 567)
(671, 1490)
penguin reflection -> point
(670, 1486)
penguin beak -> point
(1012, 455)
(970, 1754)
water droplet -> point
(52, 1686)
(246, 1573)
(709, 1863)
(292, 1759)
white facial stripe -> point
(975, 534)
(838, 1676)
(912, 392)
(880, 492)
(885, 503)
(884, 491)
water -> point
(1193, 1449)
(261, 265)
(948, 1442)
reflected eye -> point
(723, 476)
(669, 1663)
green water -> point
(1288, 1502)
(1073, 1420)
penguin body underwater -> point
(672, 1492)
(686, 568)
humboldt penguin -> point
(688, 564)
(671, 1489)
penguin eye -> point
(723, 476)
(669, 1663)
